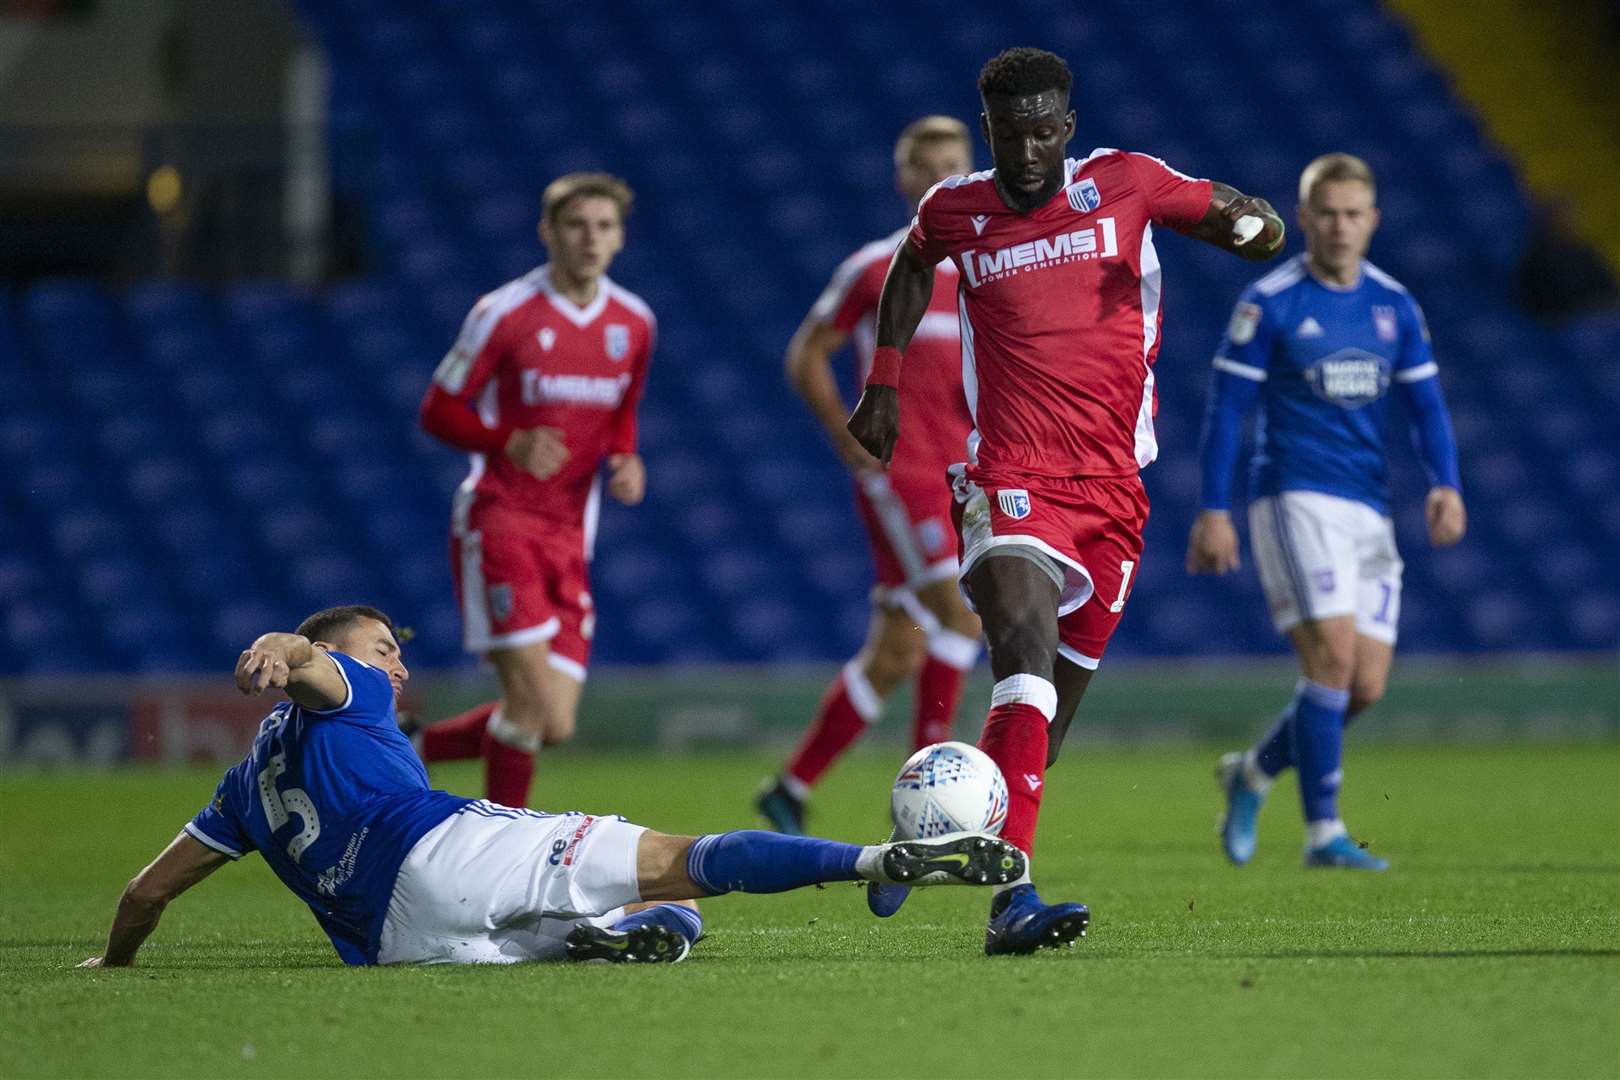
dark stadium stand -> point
(181, 468)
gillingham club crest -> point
(616, 339)
(1084, 196)
(1014, 502)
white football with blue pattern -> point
(946, 788)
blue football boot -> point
(1242, 809)
(1344, 852)
(1020, 923)
(885, 900)
(779, 806)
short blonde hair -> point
(929, 131)
(576, 185)
(1335, 167)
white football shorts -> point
(1322, 556)
(495, 885)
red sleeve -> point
(624, 421)
(924, 235)
(852, 292)
(449, 410)
(1174, 199)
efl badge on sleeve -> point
(1384, 323)
(1245, 321)
(617, 341)
(500, 602)
(1014, 502)
(1084, 196)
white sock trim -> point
(795, 787)
(868, 864)
(1026, 690)
(507, 733)
(1322, 833)
(1254, 775)
(861, 695)
(956, 650)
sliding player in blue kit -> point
(336, 800)
(1320, 342)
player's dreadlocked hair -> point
(323, 624)
(1023, 71)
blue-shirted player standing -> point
(337, 802)
(1321, 342)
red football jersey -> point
(934, 418)
(1060, 311)
(528, 357)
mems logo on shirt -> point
(1350, 378)
(1097, 242)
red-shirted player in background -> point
(920, 626)
(1060, 294)
(541, 387)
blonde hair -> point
(575, 185)
(1335, 167)
(929, 131)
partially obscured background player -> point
(920, 626)
(1320, 343)
(541, 388)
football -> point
(945, 788)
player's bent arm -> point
(1227, 206)
(181, 865)
(808, 366)
(449, 419)
(291, 662)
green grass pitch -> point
(1491, 949)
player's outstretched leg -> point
(659, 934)
(755, 861)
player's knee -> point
(1365, 692)
(892, 660)
(1329, 661)
(558, 725)
(1024, 642)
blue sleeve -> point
(1241, 366)
(1417, 382)
(216, 825)
(371, 694)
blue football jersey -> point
(334, 801)
(1326, 358)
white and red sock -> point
(1015, 738)
(848, 706)
(508, 761)
(939, 686)
(459, 738)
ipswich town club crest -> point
(1014, 502)
(616, 339)
(1384, 322)
(1084, 196)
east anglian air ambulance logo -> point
(616, 339)
(1084, 196)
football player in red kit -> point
(541, 387)
(920, 627)
(1060, 300)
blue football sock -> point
(1275, 751)
(751, 860)
(679, 918)
(1318, 743)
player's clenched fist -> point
(1446, 515)
(627, 478)
(875, 423)
(1212, 547)
(537, 451)
(262, 668)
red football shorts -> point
(909, 525)
(1091, 527)
(521, 586)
